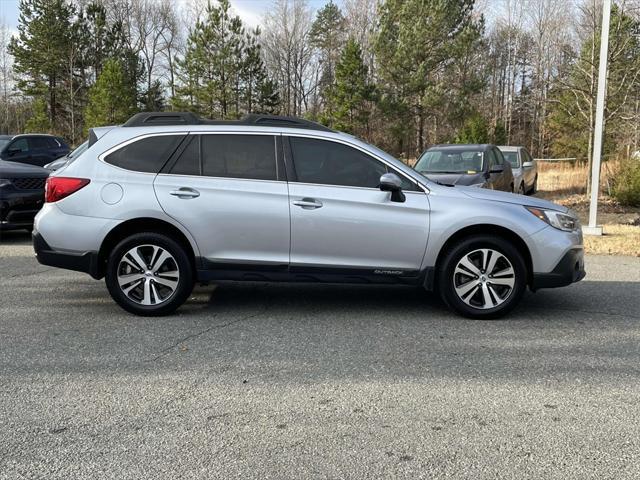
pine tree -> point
(416, 41)
(41, 50)
(112, 100)
(269, 97)
(211, 67)
(474, 130)
(351, 95)
(328, 36)
(38, 121)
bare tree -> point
(288, 55)
(361, 20)
(6, 76)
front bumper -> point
(80, 262)
(570, 269)
(18, 208)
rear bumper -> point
(86, 262)
(18, 208)
(570, 269)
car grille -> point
(28, 183)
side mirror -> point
(497, 169)
(390, 182)
(527, 165)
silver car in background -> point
(524, 168)
(169, 199)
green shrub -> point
(626, 183)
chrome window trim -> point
(366, 152)
(234, 179)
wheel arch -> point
(142, 225)
(481, 229)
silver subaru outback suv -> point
(169, 199)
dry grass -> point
(617, 240)
(566, 178)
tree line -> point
(403, 74)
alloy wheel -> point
(148, 275)
(484, 278)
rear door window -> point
(38, 143)
(188, 163)
(145, 155)
(239, 156)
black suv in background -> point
(33, 149)
(21, 194)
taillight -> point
(58, 188)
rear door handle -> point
(185, 192)
(308, 203)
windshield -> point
(512, 158)
(79, 150)
(451, 160)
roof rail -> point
(148, 119)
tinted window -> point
(331, 163)
(450, 160)
(189, 161)
(492, 159)
(39, 143)
(239, 156)
(146, 155)
(20, 144)
(512, 158)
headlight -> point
(4, 182)
(561, 221)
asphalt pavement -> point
(308, 381)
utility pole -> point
(593, 228)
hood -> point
(506, 197)
(456, 178)
(16, 170)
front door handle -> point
(308, 203)
(185, 192)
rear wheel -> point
(521, 190)
(149, 274)
(482, 276)
(534, 187)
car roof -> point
(34, 135)
(452, 146)
(510, 148)
(152, 119)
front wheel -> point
(149, 274)
(482, 276)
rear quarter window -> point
(146, 155)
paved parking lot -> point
(306, 381)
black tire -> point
(534, 187)
(521, 189)
(456, 252)
(185, 276)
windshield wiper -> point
(443, 184)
